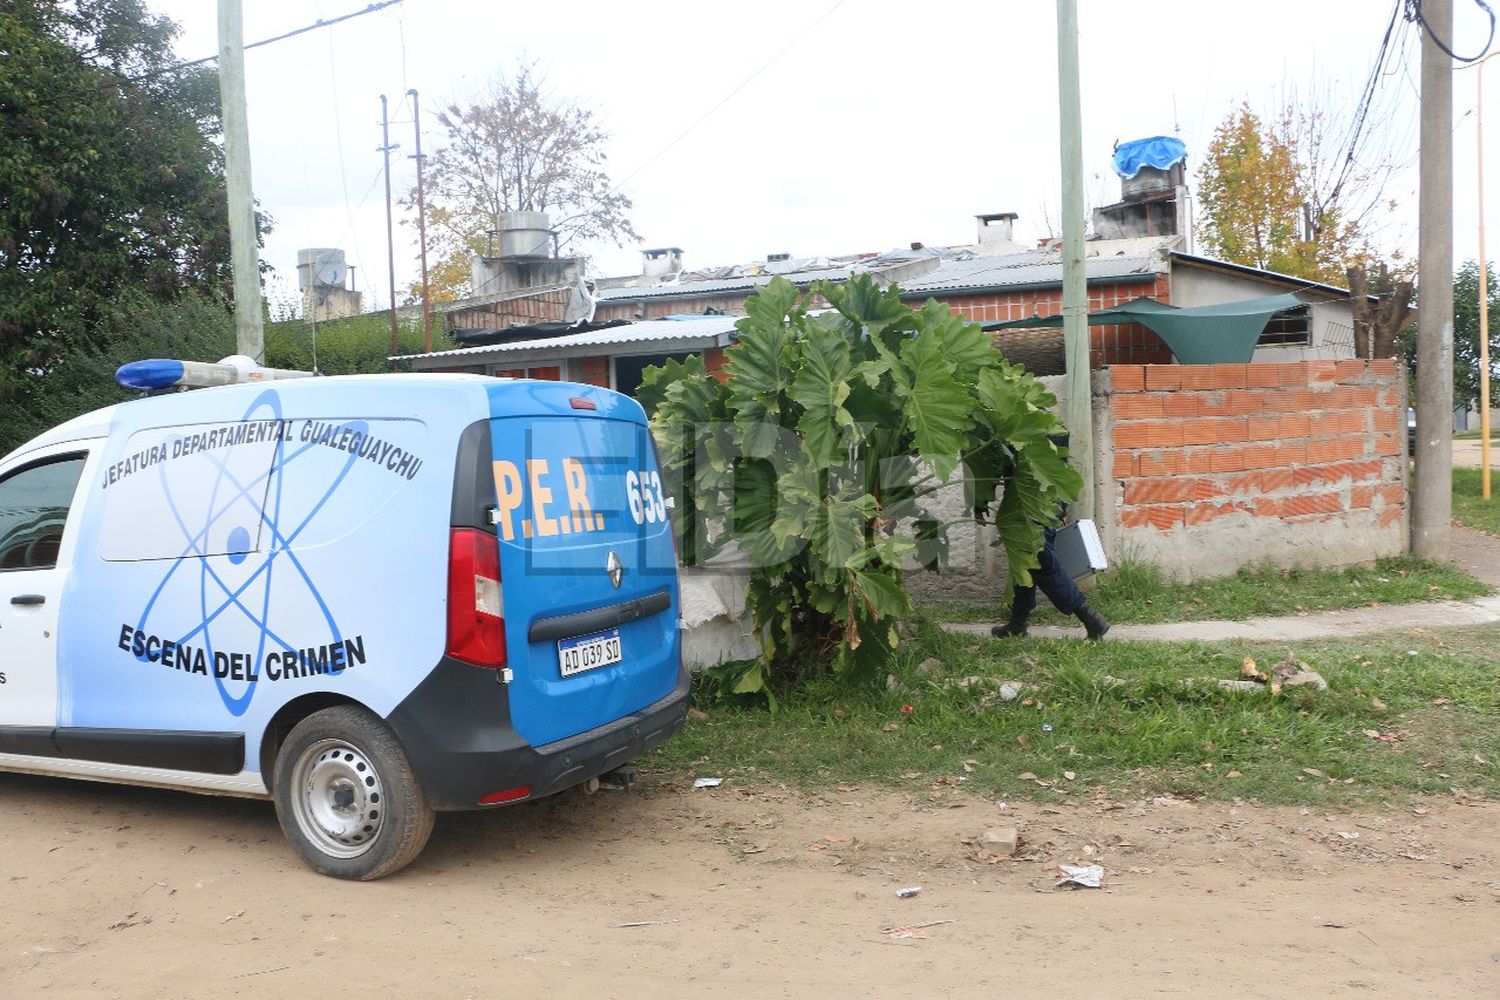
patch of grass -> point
(1136, 592)
(1119, 716)
(1469, 509)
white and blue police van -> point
(370, 598)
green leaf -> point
(882, 594)
(821, 386)
(938, 409)
(656, 379)
(752, 681)
(873, 310)
(964, 344)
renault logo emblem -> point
(615, 569)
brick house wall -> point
(591, 371)
(1129, 343)
(522, 310)
(1206, 468)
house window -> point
(548, 373)
(1290, 328)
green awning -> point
(1199, 335)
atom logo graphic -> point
(258, 512)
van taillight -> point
(476, 612)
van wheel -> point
(347, 798)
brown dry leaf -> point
(1234, 774)
(890, 727)
(1069, 775)
(834, 838)
(1377, 704)
(1026, 776)
(1023, 741)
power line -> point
(707, 114)
(1362, 111)
(319, 23)
(729, 96)
(1414, 13)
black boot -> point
(1093, 622)
(1014, 628)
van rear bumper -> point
(455, 727)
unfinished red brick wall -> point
(713, 360)
(1211, 467)
(1129, 343)
(590, 371)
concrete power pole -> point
(1075, 277)
(249, 332)
(390, 240)
(416, 118)
(1432, 493)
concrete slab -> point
(1466, 453)
(1321, 625)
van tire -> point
(347, 798)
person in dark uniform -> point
(1054, 581)
(1060, 589)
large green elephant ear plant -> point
(814, 459)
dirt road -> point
(124, 892)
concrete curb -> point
(1322, 625)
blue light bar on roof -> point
(167, 373)
(154, 373)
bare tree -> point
(514, 147)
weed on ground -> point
(1406, 713)
(1469, 509)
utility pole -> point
(249, 332)
(416, 118)
(1075, 277)
(1484, 300)
(390, 242)
(1432, 493)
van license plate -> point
(586, 652)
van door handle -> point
(28, 599)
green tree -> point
(111, 182)
(357, 345)
(1466, 367)
(515, 147)
(832, 428)
(1266, 201)
(82, 377)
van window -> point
(190, 490)
(34, 506)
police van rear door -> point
(587, 565)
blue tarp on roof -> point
(1159, 151)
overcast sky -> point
(809, 126)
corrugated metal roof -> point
(718, 285)
(1036, 267)
(683, 333)
(957, 268)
